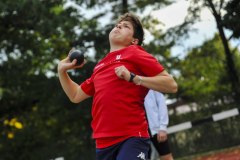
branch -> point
(230, 37)
(236, 48)
(220, 6)
(214, 11)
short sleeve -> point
(88, 86)
(147, 63)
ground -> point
(227, 154)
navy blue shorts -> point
(134, 148)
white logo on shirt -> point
(99, 65)
(142, 156)
(118, 57)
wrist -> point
(61, 70)
(162, 128)
(132, 76)
(138, 80)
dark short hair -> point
(137, 26)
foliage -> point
(37, 119)
(35, 115)
(230, 19)
(203, 75)
(217, 8)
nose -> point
(119, 26)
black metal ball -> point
(78, 55)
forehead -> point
(125, 22)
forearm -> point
(70, 87)
(162, 127)
(161, 83)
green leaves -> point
(232, 16)
(203, 73)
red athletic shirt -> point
(117, 110)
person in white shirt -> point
(157, 115)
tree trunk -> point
(124, 6)
(231, 70)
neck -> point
(116, 47)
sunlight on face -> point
(122, 33)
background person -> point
(157, 114)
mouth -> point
(116, 31)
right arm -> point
(72, 89)
(162, 110)
(163, 116)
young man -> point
(119, 83)
(157, 115)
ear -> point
(135, 41)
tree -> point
(34, 35)
(203, 78)
(230, 19)
(38, 121)
(217, 8)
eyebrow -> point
(125, 23)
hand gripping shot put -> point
(78, 55)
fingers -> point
(119, 71)
(74, 62)
(67, 64)
(81, 65)
(162, 136)
(122, 72)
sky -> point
(171, 16)
(206, 28)
(174, 15)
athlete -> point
(119, 83)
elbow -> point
(174, 88)
(74, 99)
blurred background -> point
(198, 42)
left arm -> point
(163, 82)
